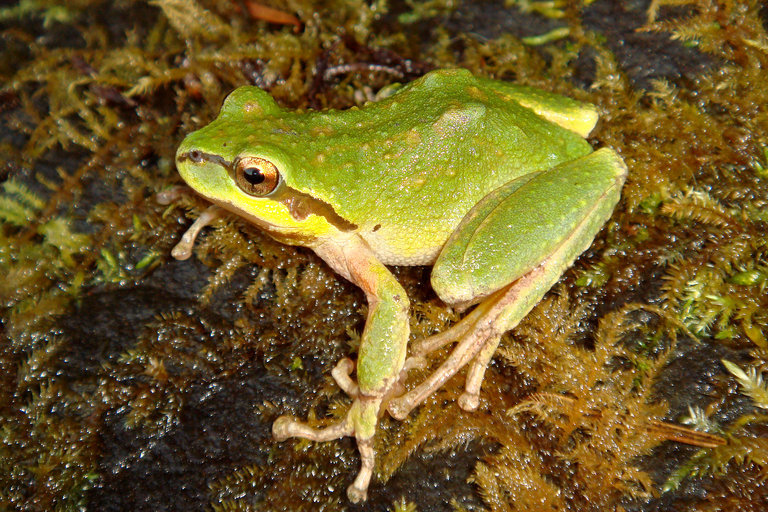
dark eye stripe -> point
(199, 157)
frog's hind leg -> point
(448, 336)
(470, 399)
(478, 345)
(287, 426)
(511, 272)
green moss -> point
(93, 120)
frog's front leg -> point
(380, 358)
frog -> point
(491, 183)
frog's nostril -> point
(196, 156)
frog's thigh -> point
(516, 227)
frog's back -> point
(407, 169)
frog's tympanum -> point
(490, 183)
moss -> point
(129, 376)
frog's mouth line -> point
(299, 204)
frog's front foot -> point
(359, 422)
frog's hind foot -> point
(470, 399)
(478, 347)
(451, 335)
(477, 336)
(480, 332)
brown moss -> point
(96, 102)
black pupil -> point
(253, 175)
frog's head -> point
(238, 162)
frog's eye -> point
(256, 176)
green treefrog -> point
(491, 183)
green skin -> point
(490, 183)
